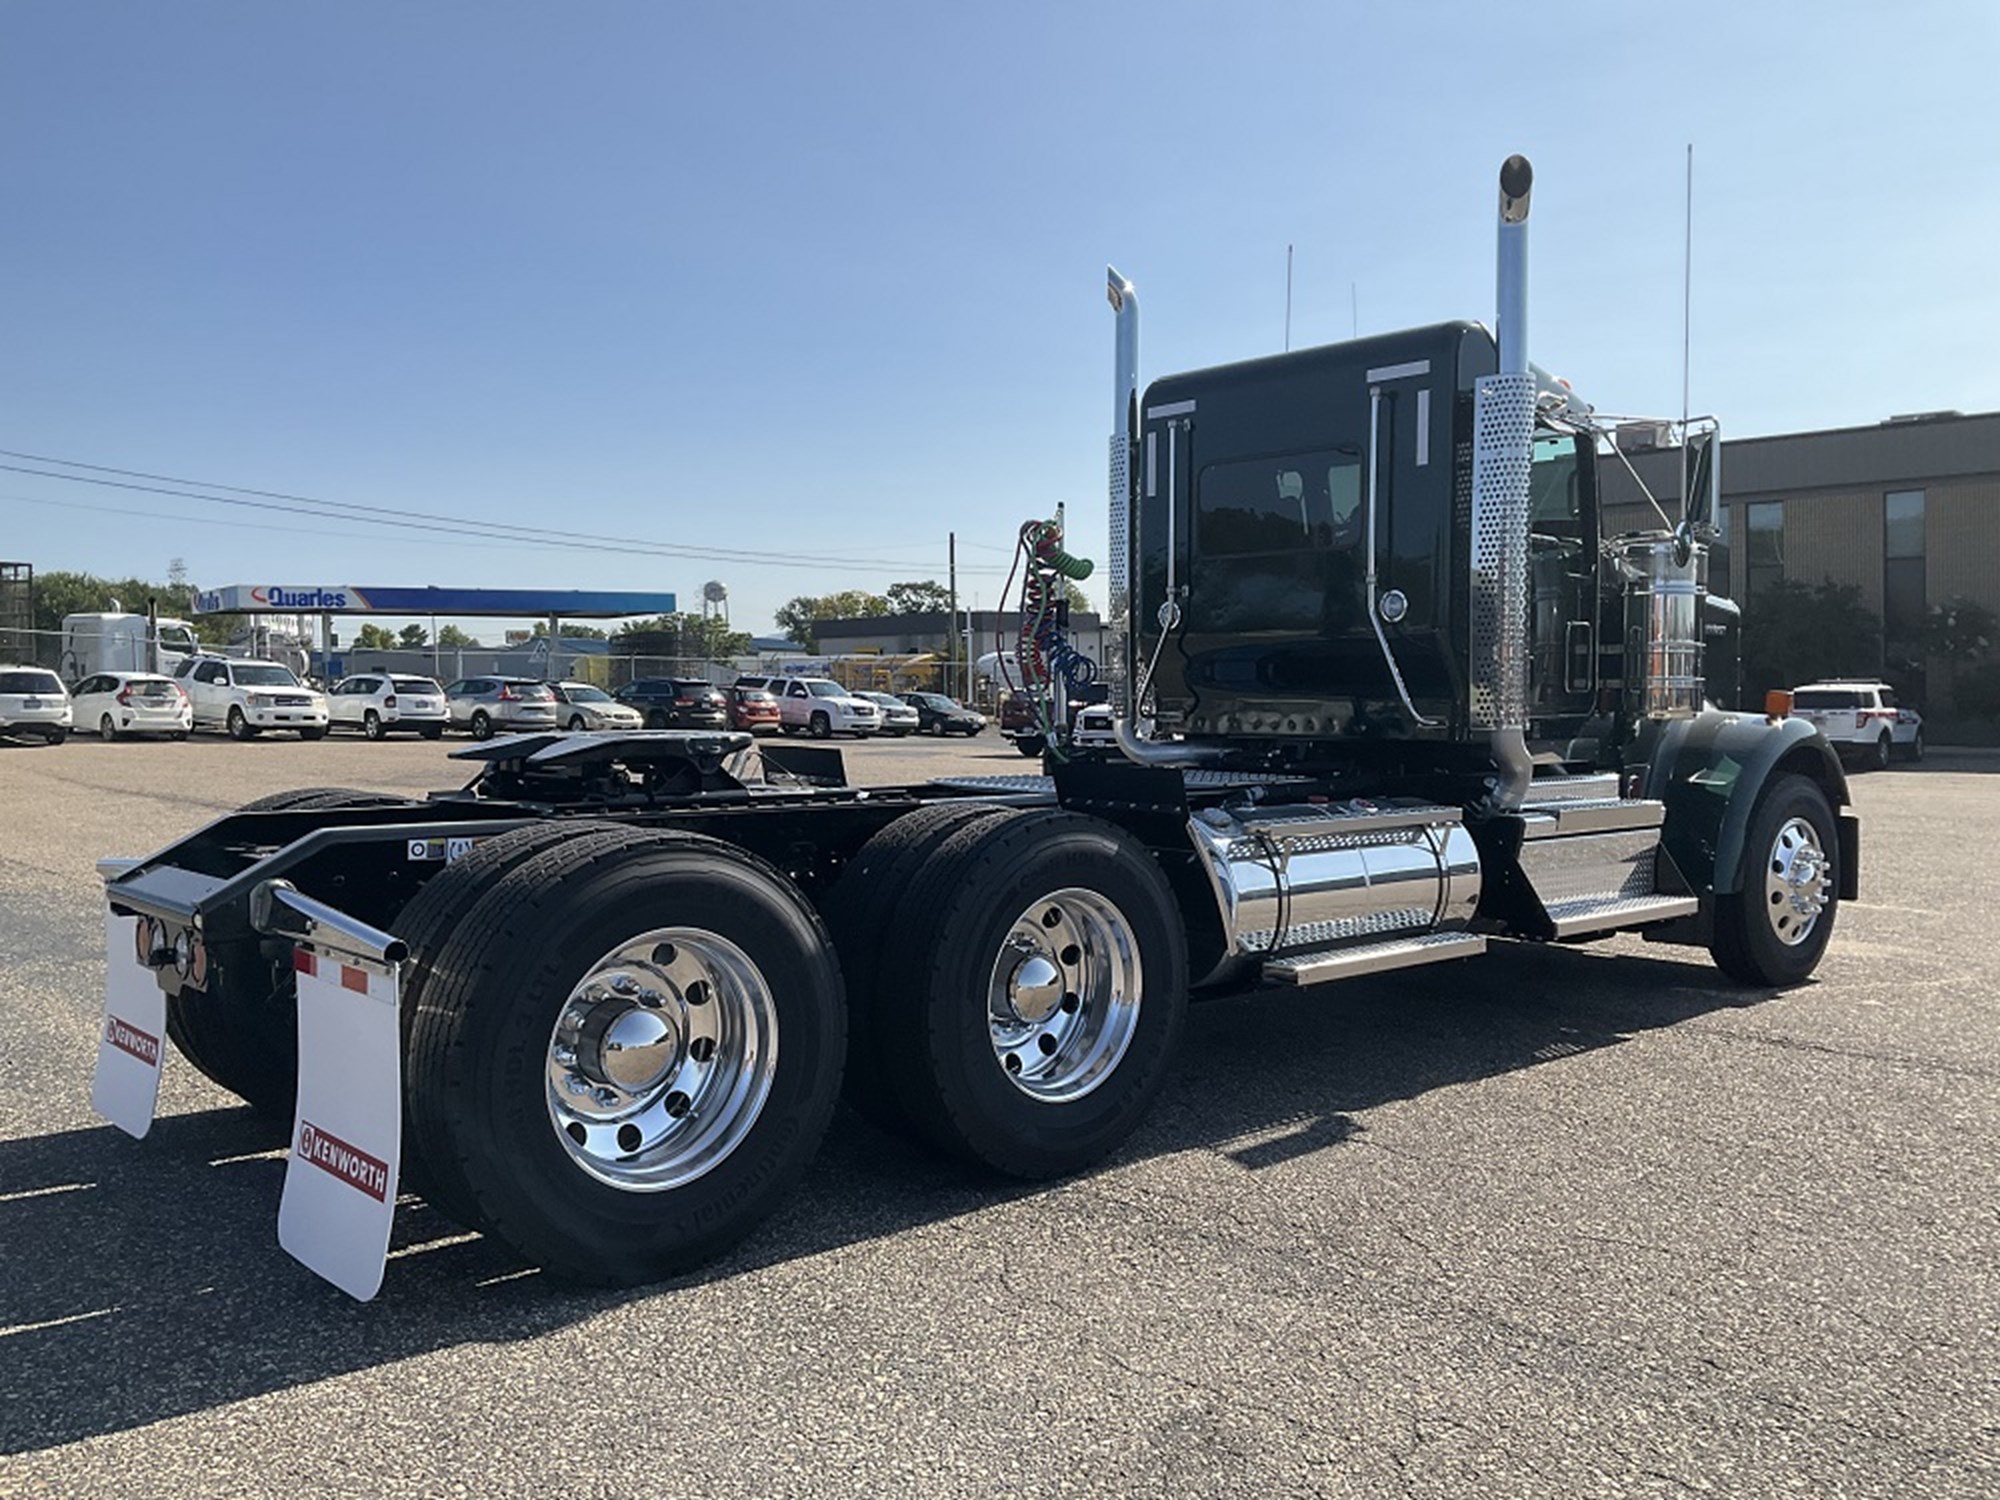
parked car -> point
(898, 718)
(1092, 728)
(823, 708)
(116, 704)
(245, 697)
(584, 705)
(377, 702)
(752, 709)
(33, 705)
(1862, 719)
(937, 714)
(676, 702)
(509, 705)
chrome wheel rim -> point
(1063, 999)
(1796, 883)
(661, 1059)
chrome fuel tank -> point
(1307, 876)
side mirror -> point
(1701, 477)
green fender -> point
(1709, 771)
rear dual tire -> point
(1019, 985)
(562, 1144)
(242, 1031)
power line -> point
(413, 520)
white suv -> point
(377, 702)
(33, 703)
(1862, 718)
(823, 708)
(247, 697)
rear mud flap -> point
(339, 1202)
(132, 1044)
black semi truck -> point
(1385, 693)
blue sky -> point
(827, 280)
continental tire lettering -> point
(353, 1166)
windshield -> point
(819, 687)
(414, 685)
(177, 638)
(1826, 698)
(585, 694)
(259, 674)
(30, 682)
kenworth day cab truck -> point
(1387, 695)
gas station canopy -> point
(350, 599)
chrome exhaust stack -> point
(1124, 420)
(1124, 301)
(1502, 454)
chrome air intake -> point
(1664, 590)
(1502, 453)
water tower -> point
(715, 600)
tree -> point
(59, 593)
(1795, 632)
(707, 637)
(451, 635)
(1079, 601)
(1965, 638)
(572, 629)
(413, 638)
(373, 637)
(926, 597)
(799, 618)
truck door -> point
(1562, 579)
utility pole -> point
(951, 659)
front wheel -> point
(240, 728)
(1775, 929)
(576, 724)
(822, 727)
(1030, 745)
(432, 731)
(630, 1056)
(313, 732)
(1916, 750)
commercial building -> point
(1907, 511)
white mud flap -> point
(132, 1046)
(340, 1184)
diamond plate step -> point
(1599, 914)
(1373, 958)
(1596, 786)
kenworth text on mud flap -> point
(1384, 694)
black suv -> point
(677, 702)
(937, 714)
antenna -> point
(1288, 298)
(1687, 286)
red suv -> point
(752, 709)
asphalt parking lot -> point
(1575, 1221)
